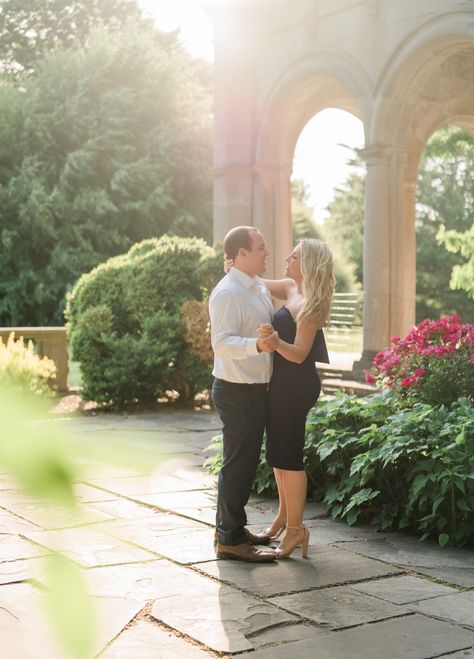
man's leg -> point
(242, 412)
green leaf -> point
(70, 606)
(443, 539)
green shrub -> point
(373, 460)
(125, 322)
(22, 369)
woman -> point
(307, 293)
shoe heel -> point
(304, 544)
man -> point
(238, 305)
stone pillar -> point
(272, 213)
(234, 116)
(389, 251)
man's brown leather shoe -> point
(244, 552)
(252, 538)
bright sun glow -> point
(321, 155)
(196, 32)
(319, 160)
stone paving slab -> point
(323, 567)
(186, 542)
(88, 493)
(47, 516)
(457, 608)
(452, 565)
(178, 500)
(12, 547)
(215, 614)
(25, 633)
(139, 581)
(89, 547)
(146, 640)
(257, 519)
(336, 608)
(153, 484)
(462, 654)
(411, 637)
(21, 570)
(10, 523)
(403, 589)
(329, 532)
(124, 509)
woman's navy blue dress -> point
(294, 389)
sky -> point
(319, 158)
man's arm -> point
(225, 326)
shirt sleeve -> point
(225, 324)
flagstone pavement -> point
(144, 543)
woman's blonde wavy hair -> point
(318, 281)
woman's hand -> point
(228, 263)
(265, 330)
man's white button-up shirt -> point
(238, 305)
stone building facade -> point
(404, 67)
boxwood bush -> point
(125, 321)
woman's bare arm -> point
(280, 288)
(294, 352)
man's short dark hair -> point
(238, 237)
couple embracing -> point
(265, 378)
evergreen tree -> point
(31, 28)
(105, 145)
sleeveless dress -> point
(293, 390)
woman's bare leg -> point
(280, 519)
(295, 485)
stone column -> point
(234, 116)
(272, 213)
(389, 251)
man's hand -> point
(265, 330)
(269, 343)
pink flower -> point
(419, 372)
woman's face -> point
(293, 264)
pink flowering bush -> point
(434, 363)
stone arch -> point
(414, 63)
(403, 68)
(306, 87)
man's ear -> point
(242, 251)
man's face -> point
(256, 257)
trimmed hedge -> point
(125, 321)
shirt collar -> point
(241, 277)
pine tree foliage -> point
(105, 145)
(29, 29)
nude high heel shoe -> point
(295, 536)
(275, 531)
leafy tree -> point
(103, 146)
(445, 198)
(345, 225)
(462, 276)
(30, 29)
